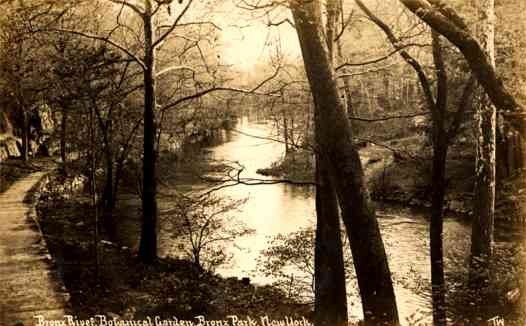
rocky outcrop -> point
(10, 147)
(41, 128)
(5, 125)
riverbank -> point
(399, 172)
(125, 288)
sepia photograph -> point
(262, 162)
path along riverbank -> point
(30, 285)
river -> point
(283, 208)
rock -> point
(12, 148)
(33, 146)
(45, 116)
(513, 295)
(80, 224)
(5, 124)
(4, 155)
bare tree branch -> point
(406, 116)
(382, 58)
(221, 89)
(99, 38)
(424, 82)
(174, 24)
(129, 5)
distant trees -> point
(23, 68)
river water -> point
(282, 208)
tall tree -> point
(148, 243)
(442, 136)
(335, 147)
(485, 137)
(330, 305)
(148, 14)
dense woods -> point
(331, 161)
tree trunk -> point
(346, 87)
(108, 198)
(116, 182)
(436, 228)
(330, 306)
(93, 190)
(148, 242)
(25, 136)
(440, 143)
(335, 146)
(108, 185)
(286, 133)
(485, 135)
(63, 140)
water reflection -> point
(270, 209)
(283, 208)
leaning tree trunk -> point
(148, 242)
(335, 146)
(485, 135)
(445, 21)
(330, 306)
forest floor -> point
(123, 287)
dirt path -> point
(29, 286)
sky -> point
(247, 41)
